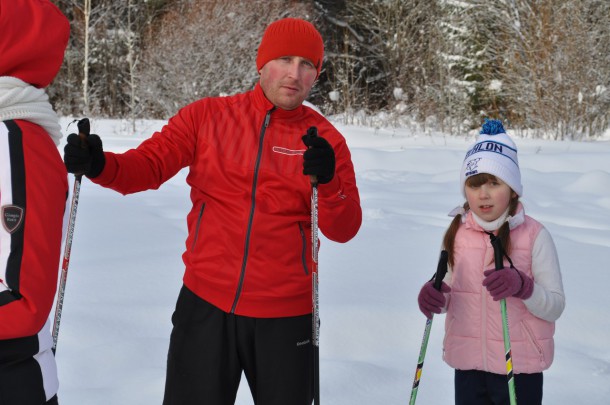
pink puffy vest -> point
(473, 325)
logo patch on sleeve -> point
(12, 217)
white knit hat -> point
(493, 153)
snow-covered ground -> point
(126, 270)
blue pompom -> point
(492, 127)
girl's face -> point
(488, 196)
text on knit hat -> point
(494, 153)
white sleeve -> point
(548, 300)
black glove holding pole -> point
(83, 153)
(319, 158)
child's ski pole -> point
(498, 257)
(441, 270)
(83, 132)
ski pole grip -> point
(84, 128)
(497, 245)
(83, 132)
(441, 270)
(313, 132)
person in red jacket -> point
(33, 190)
(246, 301)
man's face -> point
(286, 81)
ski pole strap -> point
(499, 252)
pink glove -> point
(508, 282)
(431, 300)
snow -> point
(126, 270)
(495, 85)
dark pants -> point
(21, 384)
(473, 387)
(210, 348)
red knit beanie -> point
(291, 37)
(33, 37)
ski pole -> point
(315, 330)
(83, 132)
(441, 270)
(498, 255)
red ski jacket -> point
(33, 191)
(248, 249)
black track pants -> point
(474, 387)
(210, 348)
(21, 383)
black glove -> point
(319, 158)
(84, 156)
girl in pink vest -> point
(471, 292)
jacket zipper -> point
(242, 275)
(197, 227)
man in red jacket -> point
(33, 191)
(246, 301)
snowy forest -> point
(542, 66)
